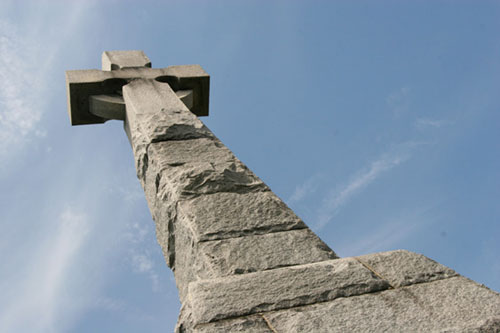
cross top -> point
(95, 96)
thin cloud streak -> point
(39, 298)
(43, 288)
(382, 238)
(139, 253)
(341, 196)
(387, 235)
(307, 188)
(398, 101)
(423, 123)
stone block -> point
(163, 155)
(156, 113)
(402, 268)
(213, 259)
(240, 295)
(112, 60)
(226, 215)
(188, 264)
(194, 167)
(262, 252)
(195, 179)
(450, 305)
(250, 324)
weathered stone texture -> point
(263, 252)
(112, 60)
(250, 324)
(450, 305)
(198, 258)
(227, 215)
(155, 113)
(240, 295)
(180, 169)
(178, 152)
(402, 268)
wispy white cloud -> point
(36, 300)
(120, 306)
(423, 123)
(343, 194)
(390, 233)
(42, 286)
(139, 254)
(27, 61)
(398, 101)
(19, 92)
(143, 263)
(382, 238)
(110, 304)
(307, 188)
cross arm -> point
(82, 85)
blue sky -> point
(378, 123)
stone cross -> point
(242, 260)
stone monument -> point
(242, 260)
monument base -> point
(397, 291)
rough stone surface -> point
(450, 305)
(155, 108)
(178, 152)
(195, 179)
(227, 215)
(250, 324)
(402, 268)
(112, 60)
(262, 252)
(177, 171)
(212, 259)
(193, 167)
(239, 295)
(155, 113)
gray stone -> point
(262, 252)
(450, 305)
(227, 215)
(174, 153)
(165, 190)
(402, 268)
(193, 167)
(108, 106)
(239, 295)
(213, 259)
(186, 261)
(112, 60)
(250, 324)
(155, 112)
(194, 179)
(81, 84)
